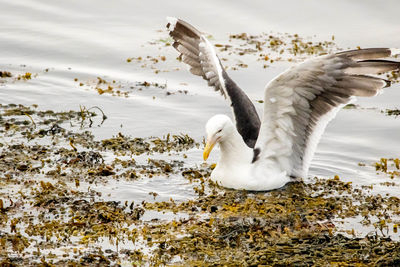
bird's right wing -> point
(199, 54)
(299, 103)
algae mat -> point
(53, 211)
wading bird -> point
(298, 104)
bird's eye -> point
(220, 130)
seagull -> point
(262, 155)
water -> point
(89, 39)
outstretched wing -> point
(199, 54)
(300, 102)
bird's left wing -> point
(300, 102)
(199, 54)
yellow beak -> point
(209, 146)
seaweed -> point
(52, 211)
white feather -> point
(394, 51)
(214, 61)
(172, 23)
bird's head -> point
(218, 128)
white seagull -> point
(298, 105)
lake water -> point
(62, 40)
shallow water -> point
(90, 39)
